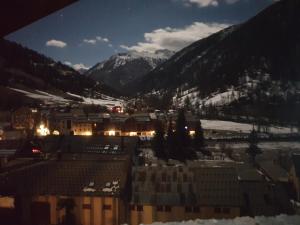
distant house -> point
(176, 193)
(142, 124)
(25, 118)
(295, 174)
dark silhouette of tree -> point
(187, 103)
(170, 142)
(68, 204)
(199, 137)
(182, 143)
(158, 142)
(199, 141)
(253, 150)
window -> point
(179, 188)
(153, 176)
(159, 208)
(174, 176)
(164, 177)
(69, 124)
(226, 210)
(184, 178)
(196, 209)
(168, 208)
(132, 207)
(168, 187)
(217, 210)
(86, 206)
(139, 208)
(188, 209)
(106, 207)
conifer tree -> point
(253, 150)
(170, 143)
(199, 137)
(182, 150)
(158, 142)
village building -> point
(176, 193)
(262, 196)
(86, 179)
(25, 118)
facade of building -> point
(176, 193)
(87, 180)
(95, 188)
(25, 118)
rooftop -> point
(69, 178)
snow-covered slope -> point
(67, 98)
(122, 68)
(252, 68)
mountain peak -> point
(123, 68)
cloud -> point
(78, 66)
(102, 39)
(175, 39)
(56, 43)
(95, 40)
(207, 3)
(90, 41)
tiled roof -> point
(89, 144)
(274, 171)
(178, 185)
(70, 178)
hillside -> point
(249, 65)
(26, 69)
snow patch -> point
(258, 220)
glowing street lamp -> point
(111, 133)
(42, 130)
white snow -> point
(51, 99)
(108, 101)
(239, 127)
(88, 189)
(258, 220)
(43, 96)
(111, 187)
(224, 98)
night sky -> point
(90, 31)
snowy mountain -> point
(123, 68)
(254, 66)
(27, 70)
